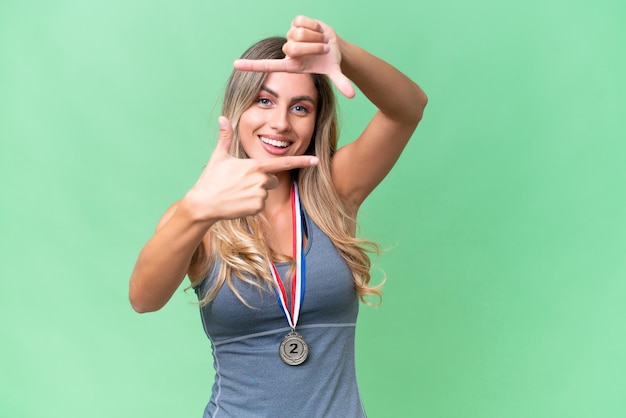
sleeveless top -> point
(250, 378)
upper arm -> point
(358, 167)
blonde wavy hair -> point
(239, 243)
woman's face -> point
(281, 120)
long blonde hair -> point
(239, 243)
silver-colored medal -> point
(293, 349)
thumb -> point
(343, 83)
(225, 137)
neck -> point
(280, 196)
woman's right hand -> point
(230, 187)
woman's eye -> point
(300, 109)
(263, 101)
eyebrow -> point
(293, 99)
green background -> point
(505, 218)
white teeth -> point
(275, 143)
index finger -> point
(276, 165)
(263, 65)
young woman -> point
(267, 234)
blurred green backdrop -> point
(506, 292)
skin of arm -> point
(361, 165)
(164, 260)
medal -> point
(293, 350)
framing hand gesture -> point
(312, 47)
(232, 187)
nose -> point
(280, 120)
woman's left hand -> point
(312, 47)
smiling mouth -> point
(274, 142)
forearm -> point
(392, 92)
(164, 261)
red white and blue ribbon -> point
(298, 282)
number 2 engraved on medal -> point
(293, 349)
